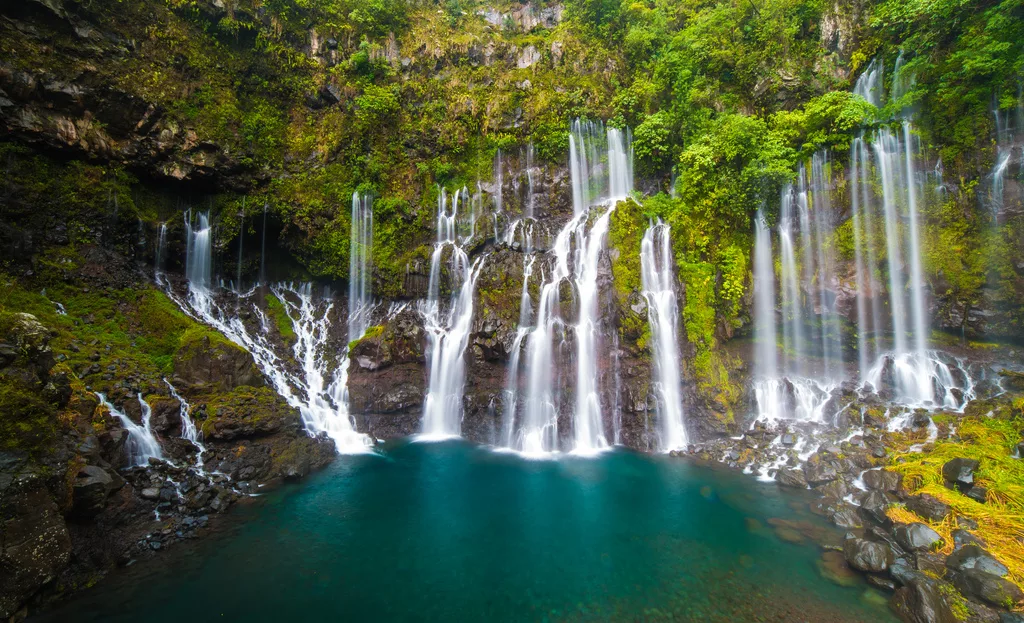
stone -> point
(1011, 617)
(978, 494)
(35, 546)
(873, 506)
(820, 470)
(959, 473)
(917, 536)
(846, 517)
(788, 440)
(962, 538)
(921, 601)
(150, 493)
(833, 567)
(929, 562)
(880, 582)
(974, 557)
(987, 587)
(91, 487)
(866, 555)
(928, 506)
(788, 477)
(882, 480)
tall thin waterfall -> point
(448, 328)
(241, 236)
(869, 84)
(360, 265)
(831, 327)
(142, 444)
(659, 288)
(161, 249)
(601, 165)
(528, 208)
(198, 250)
(766, 357)
(189, 430)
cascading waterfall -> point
(663, 315)
(360, 293)
(189, 430)
(198, 250)
(831, 327)
(321, 404)
(448, 329)
(142, 444)
(573, 259)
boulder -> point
(873, 506)
(35, 546)
(90, 490)
(921, 601)
(978, 494)
(819, 470)
(928, 506)
(917, 536)
(788, 477)
(866, 555)
(987, 587)
(882, 480)
(959, 473)
(974, 557)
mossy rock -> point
(245, 411)
(209, 359)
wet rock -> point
(974, 557)
(1011, 617)
(987, 587)
(959, 473)
(35, 546)
(846, 517)
(217, 363)
(928, 562)
(917, 536)
(819, 470)
(90, 490)
(150, 493)
(866, 555)
(978, 494)
(882, 480)
(880, 582)
(788, 440)
(789, 477)
(873, 506)
(921, 601)
(962, 538)
(836, 490)
(928, 506)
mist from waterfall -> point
(659, 289)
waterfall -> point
(241, 235)
(869, 84)
(263, 246)
(572, 260)
(528, 212)
(198, 250)
(663, 315)
(302, 382)
(831, 326)
(448, 329)
(511, 401)
(766, 354)
(360, 266)
(189, 431)
(161, 249)
(792, 307)
(142, 444)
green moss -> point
(27, 422)
(279, 315)
(371, 333)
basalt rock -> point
(974, 557)
(882, 480)
(988, 587)
(866, 555)
(917, 536)
(921, 601)
(928, 506)
(959, 473)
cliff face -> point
(120, 122)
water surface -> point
(452, 532)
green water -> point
(452, 532)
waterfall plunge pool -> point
(454, 532)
